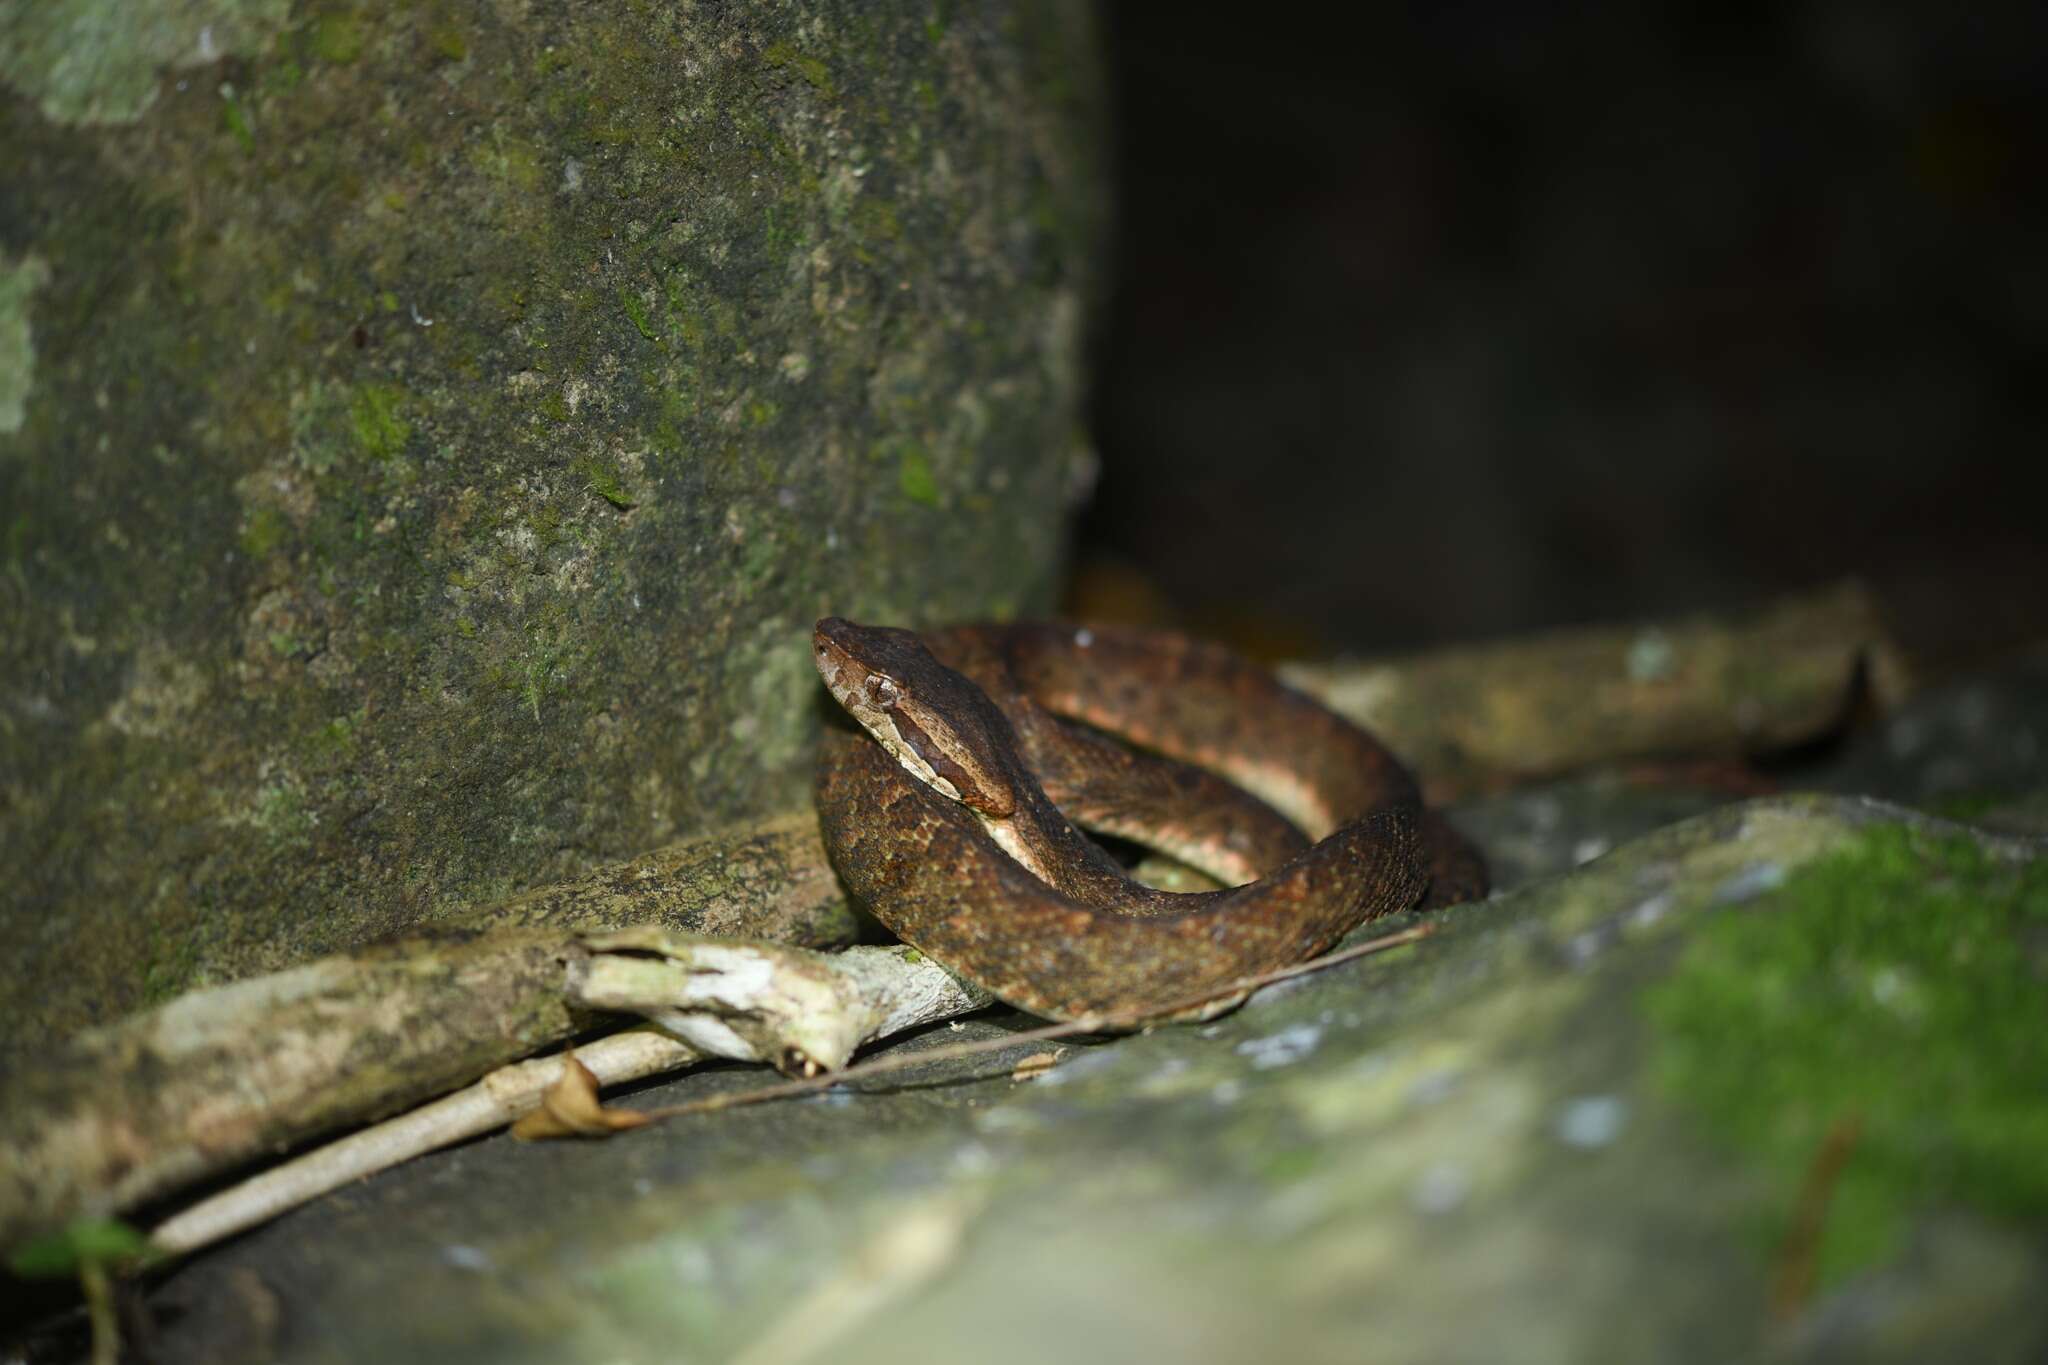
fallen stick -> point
(1482, 716)
(736, 999)
(117, 1115)
(893, 988)
(491, 1103)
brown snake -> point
(958, 827)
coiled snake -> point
(956, 821)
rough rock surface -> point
(428, 431)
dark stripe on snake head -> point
(940, 726)
(978, 795)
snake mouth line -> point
(867, 697)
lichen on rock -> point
(18, 282)
(102, 61)
(446, 423)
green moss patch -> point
(81, 1242)
(1897, 986)
(636, 310)
(380, 426)
(338, 38)
(810, 68)
(235, 118)
(600, 478)
(266, 530)
(914, 477)
(17, 349)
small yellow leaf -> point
(570, 1108)
(1034, 1066)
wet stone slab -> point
(1522, 1138)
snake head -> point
(939, 726)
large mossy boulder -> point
(427, 433)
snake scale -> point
(954, 817)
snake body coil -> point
(956, 822)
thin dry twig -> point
(492, 1102)
(1799, 1257)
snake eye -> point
(881, 690)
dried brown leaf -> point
(570, 1108)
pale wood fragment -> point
(1484, 716)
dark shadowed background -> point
(1475, 318)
